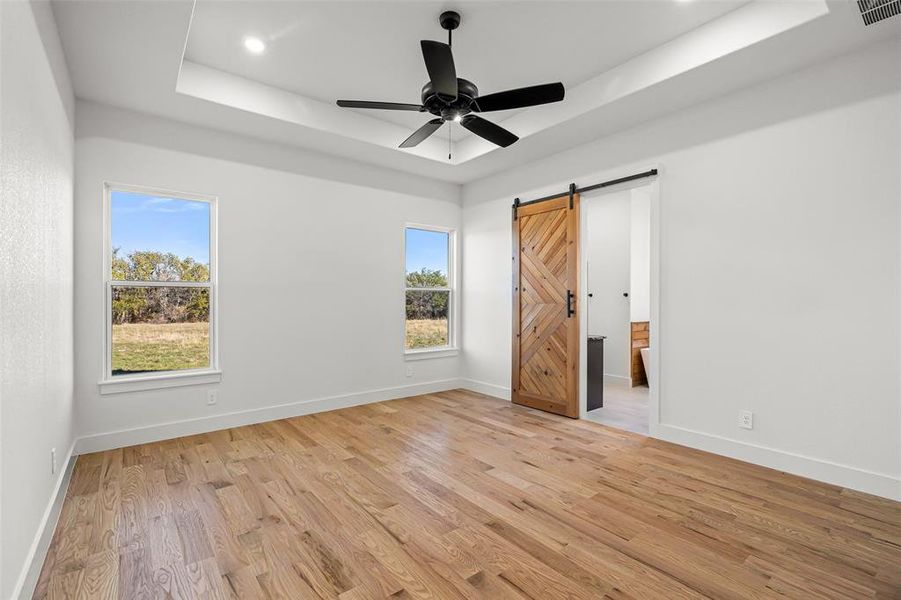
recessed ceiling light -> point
(254, 45)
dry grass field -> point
(425, 333)
(141, 347)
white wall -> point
(618, 252)
(640, 254)
(779, 258)
(607, 248)
(286, 235)
(36, 105)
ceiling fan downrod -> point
(449, 20)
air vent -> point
(877, 10)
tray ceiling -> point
(370, 50)
(624, 63)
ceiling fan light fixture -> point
(254, 45)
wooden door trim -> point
(517, 310)
(543, 206)
(573, 330)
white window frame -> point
(451, 348)
(109, 383)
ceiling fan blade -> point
(520, 98)
(439, 62)
(488, 130)
(380, 105)
(422, 133)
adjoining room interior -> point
(618, 249)
(493, 300)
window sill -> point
(142, 383)
(430, 353)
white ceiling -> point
(623, 63)
(370, 50)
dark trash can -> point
(595, 371)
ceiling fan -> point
(454, 99)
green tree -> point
(426, 304)
(158, 304)
(426, 278)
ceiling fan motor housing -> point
(449, 20)
(461, 105)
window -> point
(160, 299)
(429, 289)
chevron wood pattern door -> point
(545, 315)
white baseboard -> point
(164, 431)
(610, 378)
(489, 389)
(878, 484)
(34, 560)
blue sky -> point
(426, 249)
(141, 222)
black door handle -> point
(569, 304)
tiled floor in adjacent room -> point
(625, 407)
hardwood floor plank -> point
(100, 580)
(457, 495)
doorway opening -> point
(617, 249)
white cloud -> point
(171, 205)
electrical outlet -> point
(211, 397)
(746, 419)
(52, 461)
(409, 370)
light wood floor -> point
(457, 495)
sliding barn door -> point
(545, 315)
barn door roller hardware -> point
(573, 190)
